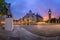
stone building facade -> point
(32, 18)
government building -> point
(31, 18)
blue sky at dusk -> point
(19, 8)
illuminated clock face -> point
(49, 12)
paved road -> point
(38, 32)
(34, 32)
(44, 30)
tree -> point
(2, 7)
(53, 20)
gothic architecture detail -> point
(39, 18)
(31, 17)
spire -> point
(30, 11)
(49, 10)
(37, 15)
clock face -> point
(49, 12)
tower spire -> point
(30, 11)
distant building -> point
(49, 15)
(52, 20)
(39, 18)
(31, 18)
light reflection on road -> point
(37, 32)
(43, 29)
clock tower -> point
(49, 15)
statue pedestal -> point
(8, 24)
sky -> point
(19, 8)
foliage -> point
(53, 20)
(2, 7)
